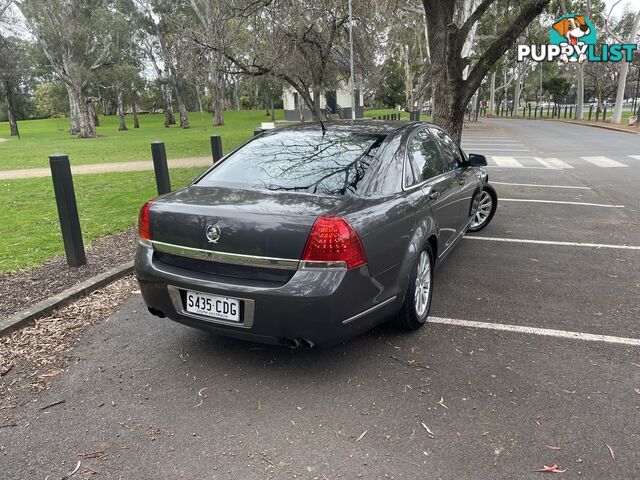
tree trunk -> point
(316, 112)
(11, 113)
(217, 98)
(136, 123)
(624, 70)
(447, 83)
(301, 111)
(74, 129)
(580, 92)
(84, 121)
(517, 93)
(408, 79)
(273, 111)
(122, 124)
(236, 95)
(184, 119)
(170, 119)
(492, 94)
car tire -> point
(487, 200)
(416, 305)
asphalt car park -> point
(548, 374)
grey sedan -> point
(307, 235)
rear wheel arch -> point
(424, 234)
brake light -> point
(332, 239)
(144, 232)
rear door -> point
(438, 186)
(464, 179)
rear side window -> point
(424, 157)
(330, 163)
(452, 156)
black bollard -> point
(67, 209)
(159, 155)
(216, 147)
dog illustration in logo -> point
(573, 29)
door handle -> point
(461, 182)
(433, 195)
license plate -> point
(213, 306)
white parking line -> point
(553, 163)
(540, 186)
(527, 200)
(488, 142)
(636, 157)
(506, 149)
(552, 242)
(507, 162)
(546, 332)
(603, 162)
(522, 166)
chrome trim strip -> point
(225, 257)
(249, 307)
(144, 242)
(375, 307)
(317, 265)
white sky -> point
(619, 8)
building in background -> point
(333, 103)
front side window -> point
(424, 156)
(450, 149)
(329, 163)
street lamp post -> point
(353, 86)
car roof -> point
(379, 127)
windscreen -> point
(329, 163)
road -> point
(552, 377)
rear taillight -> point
(332, 239)
(144, 232)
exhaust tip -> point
(306, 344)
(291, 342)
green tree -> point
(390, 90)
(50, 99)
(557, 88)
(75, 37)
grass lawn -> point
(108, 203)
(41, 138)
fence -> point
(562, 111)
(414, 116)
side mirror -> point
(476, 160)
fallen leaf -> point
(552, 447)
(553, 469)
(202, 397)
(610, 451)
(427, 429)
(361, 436)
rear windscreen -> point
(330, 163)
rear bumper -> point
(322, 306)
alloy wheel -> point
(485, 204)
(423, 284)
